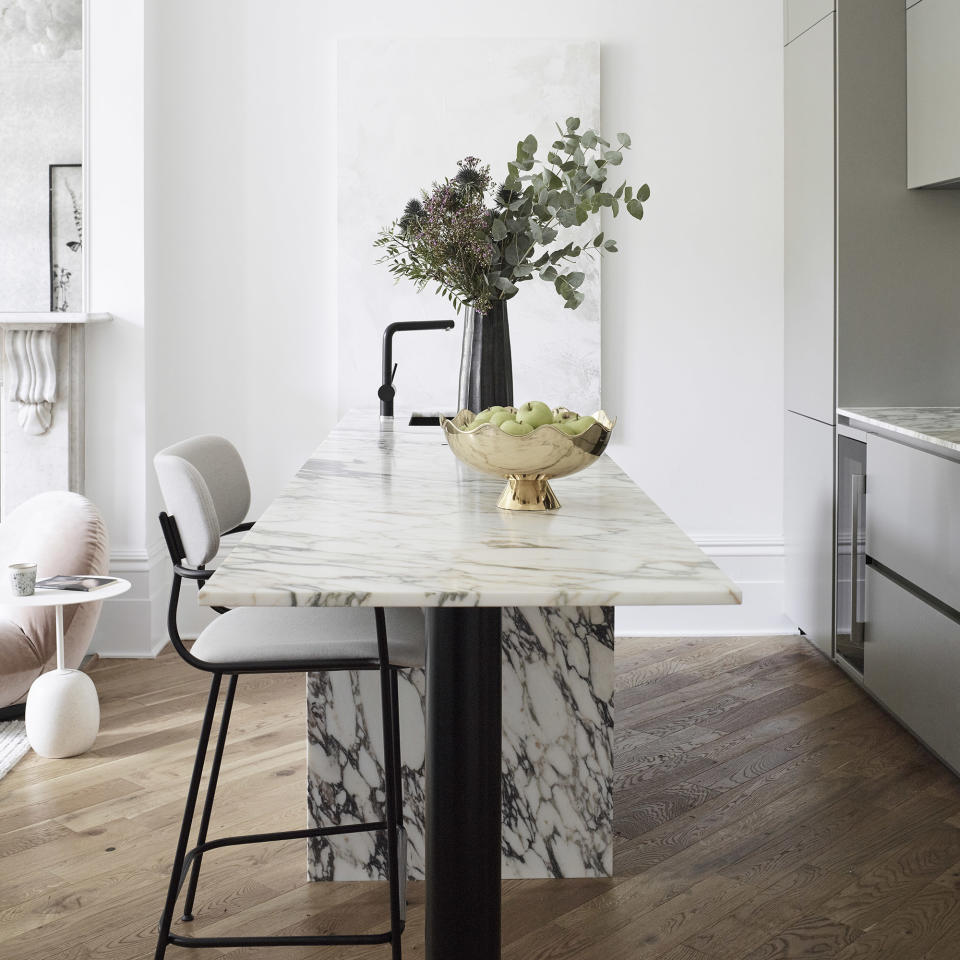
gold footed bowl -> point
(528, 462)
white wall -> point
(242, 245)
(116, 415)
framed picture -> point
(66, 237)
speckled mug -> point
(23, 579)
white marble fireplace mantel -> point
(41, 419)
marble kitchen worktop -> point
(937, 426)
(384, 515)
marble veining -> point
(939, 426)
(557, 799)
(384, 514)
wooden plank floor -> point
(765, 808)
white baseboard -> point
(755, 565)
(134, 625)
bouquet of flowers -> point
(478, 239)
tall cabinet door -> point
(808, 527)
(809, 161)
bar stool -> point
(207, 495)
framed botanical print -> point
(66, 237)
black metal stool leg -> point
(395, 694)
(175, 874)
(389, 766)
(208, 802)
(398, 779)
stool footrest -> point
(338, 830)
(331, 940)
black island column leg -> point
(463, 757)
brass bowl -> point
(530, 461)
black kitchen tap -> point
(387, 391)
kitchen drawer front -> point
(913, 516)
(912, 664)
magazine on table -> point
(83, 584)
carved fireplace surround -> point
(42, 413)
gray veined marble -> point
(939, 426)
(557, 804)
(385, 515)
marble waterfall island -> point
(384, 515)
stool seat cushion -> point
(257, 635)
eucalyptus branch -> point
(476, 255)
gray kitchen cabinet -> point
(808, 527)
(933, 92)
(801, 15)
(809, 337)
(913, 516)
(912, 653)
(871, 285)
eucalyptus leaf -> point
(548, 273)
(588, 140)
(635, 209)
(614, 157)
(610, 246)
(574, 301)
(573, 123)
(624, 139)
(575, 279)
(598, 239)
(497, 230)
(643, 193)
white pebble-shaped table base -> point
(63, 714)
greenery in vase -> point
(477, 254)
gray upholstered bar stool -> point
(207, 495)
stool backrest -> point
(206, 490)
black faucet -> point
(387, 391)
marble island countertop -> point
(384, 514)
(937, 426)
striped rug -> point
(13, 744)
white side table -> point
(63, 712)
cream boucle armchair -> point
(63, 533)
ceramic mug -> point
(23, 578)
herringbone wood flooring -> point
(765, 808)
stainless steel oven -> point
(851, 555)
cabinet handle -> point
(857, 487)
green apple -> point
(535, 413)
(501, 417)
(515, 428)
(563, 414)
(481, 418)
(575, 427)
